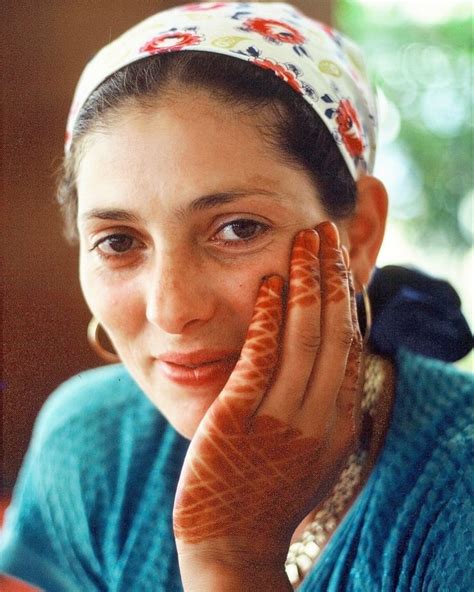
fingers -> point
(252, 375)
(314, 373)
(349, 398)
(336, 328)
(301, 336)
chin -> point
(186, 419)
(183, 408)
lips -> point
(198, 368)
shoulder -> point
(423, 479)
(97, 432)
(95, 406)
(430, 440)
(433, 394)
(101, 457)
(433, 412)
(100, 387)
(446, 556)
(428, 374)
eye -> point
(115, 245)
(241, 230)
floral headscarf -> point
(317, 61)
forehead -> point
(181, 147)
(181, 117)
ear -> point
(365, 229)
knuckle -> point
(308, 339)
(345, 335)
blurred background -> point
(420, 56)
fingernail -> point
(311, 241)
(308, 239)
(328, 230)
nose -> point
(180, 295)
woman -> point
(218, 179)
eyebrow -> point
(205, 202)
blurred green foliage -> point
(425, 73)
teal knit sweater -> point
(93, 504)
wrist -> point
(230, 574)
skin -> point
(244, 446)
(282, 304)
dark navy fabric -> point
(415, 311)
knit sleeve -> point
(452, 546)
(92, 506)
(449, 547)
(48, 537)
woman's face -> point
(183, 209)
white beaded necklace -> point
(303, 553)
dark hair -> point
(293, 127)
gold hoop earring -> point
(368, 314)
(93, 338)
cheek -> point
(238, 288)
(238, 293)
(119, 301)
(115, 302)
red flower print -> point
(327, 29)
(274, 30)
(170, 41)
(196, 7)
(287, 75)
(350, 128)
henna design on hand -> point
(245, 465)
(260, 352)
(332, 267)
(243, 456)
(304, 271)
(348, 399)
(252, 473)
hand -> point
(272, 444)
